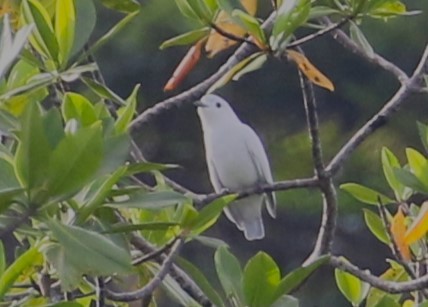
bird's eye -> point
(218, 104)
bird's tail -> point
(247, 216)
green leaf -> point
(103, 91)
(229, 273)
(125, 227)
(86, 18)
(28, 259)
(364, 194)
(259, 58)
(151, 200)
(359, 38)
(126, 113)
(100, 195)
(418, 165)
(291, 15)
(395, 273)
(65, 22)
(199, 278)
(9, 185)
(186, 38)
(186, 9)
(376, 226)
(3, 263)
(7, 122)
(286, 301)
(90, 252)
(125, 6)
(68, 273)
(112, 32)
(351, 287)
(251, 24)
(322, 11)
(10, 48)
(423, 134)
(296, 277)
(389, 162)
(116, 151)
(261, 278)
(409, 179)
(75, 161)
(210, 242)
(210, 214)
(33, 154)
(78, 107)
(43, 37)
(145, 167)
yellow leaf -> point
(309, 70)
(419, 227)
(398, 230)
(250, 6)
(217, 42)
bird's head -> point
(213, 109)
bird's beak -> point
(199, 104)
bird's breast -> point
(231, 159)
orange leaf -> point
(398, 230)
(309, 70)
(186, 65)
(217, 42)
(419, 227)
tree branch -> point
(409, 87)
(185, 282)
(276, 186)
(328, 220)
(153, 284)
(374, 58)
(199, 90)
(385, 285)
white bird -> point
(236, 161)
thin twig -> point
(328, 220)
(156, 253)
(265, 188)
(199, 90)
(373, 58)
(232, 36)
(100, 292)
(331, 27)
(185, 282)
(153, 284)
(374, 281)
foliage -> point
(69, 189)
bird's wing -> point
(260, 160)
(214, 176)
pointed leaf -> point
(210, 214)
(364, 194)
(185, 66)
(309, 70)
(28, 259)
(286, 301)
(410, 180)
(65, 21)
(124, 227)
(229, 273)
(127, 112)
(75, 161)
(351, 287)
(145, 167)
(376, 226)
(389, 162)
(199, 278)
(91, 252)
(126, 6)
(419, 227)
(252, 25)
(296, 277)
(185, 39)
(86, 18)
(3, 263)
(423, 133)
(78, 107)
(398, 231)
(151, 200)
(261, 278)
(358, 37)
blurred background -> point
(270, 101)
